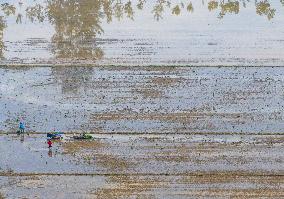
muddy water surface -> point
(143, 187)
(144, 154)
(143, 100)
(160, 132)
(155, 166)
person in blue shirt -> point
(22, 127)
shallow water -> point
(30, 154)
(142, 100)
(140, 32)
(157, 166)
(164, 187)
(161, 132)
(142, 154)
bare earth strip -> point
(128, 186)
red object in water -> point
(49, 143)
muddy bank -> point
(143, 100)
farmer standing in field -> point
(49, 143)
(22, 127)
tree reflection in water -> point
(74, 80)
(2, 46)
(77, 23)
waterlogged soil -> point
(143, 166)
(162, 131)
(121, 186)
(144, 154)
(137, 100)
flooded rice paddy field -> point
(143, 100)
(143, 166)
(144, 154)
(122, 186)
(156, 83)
(160, 132)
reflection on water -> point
(77, 23)
(72, 79)
(117, 99)
(22, 138)
(49, 153)
(2, 47)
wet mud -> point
(149, 166)
(164, 88)
(157, 100)
(146, 186)
(160, 132)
